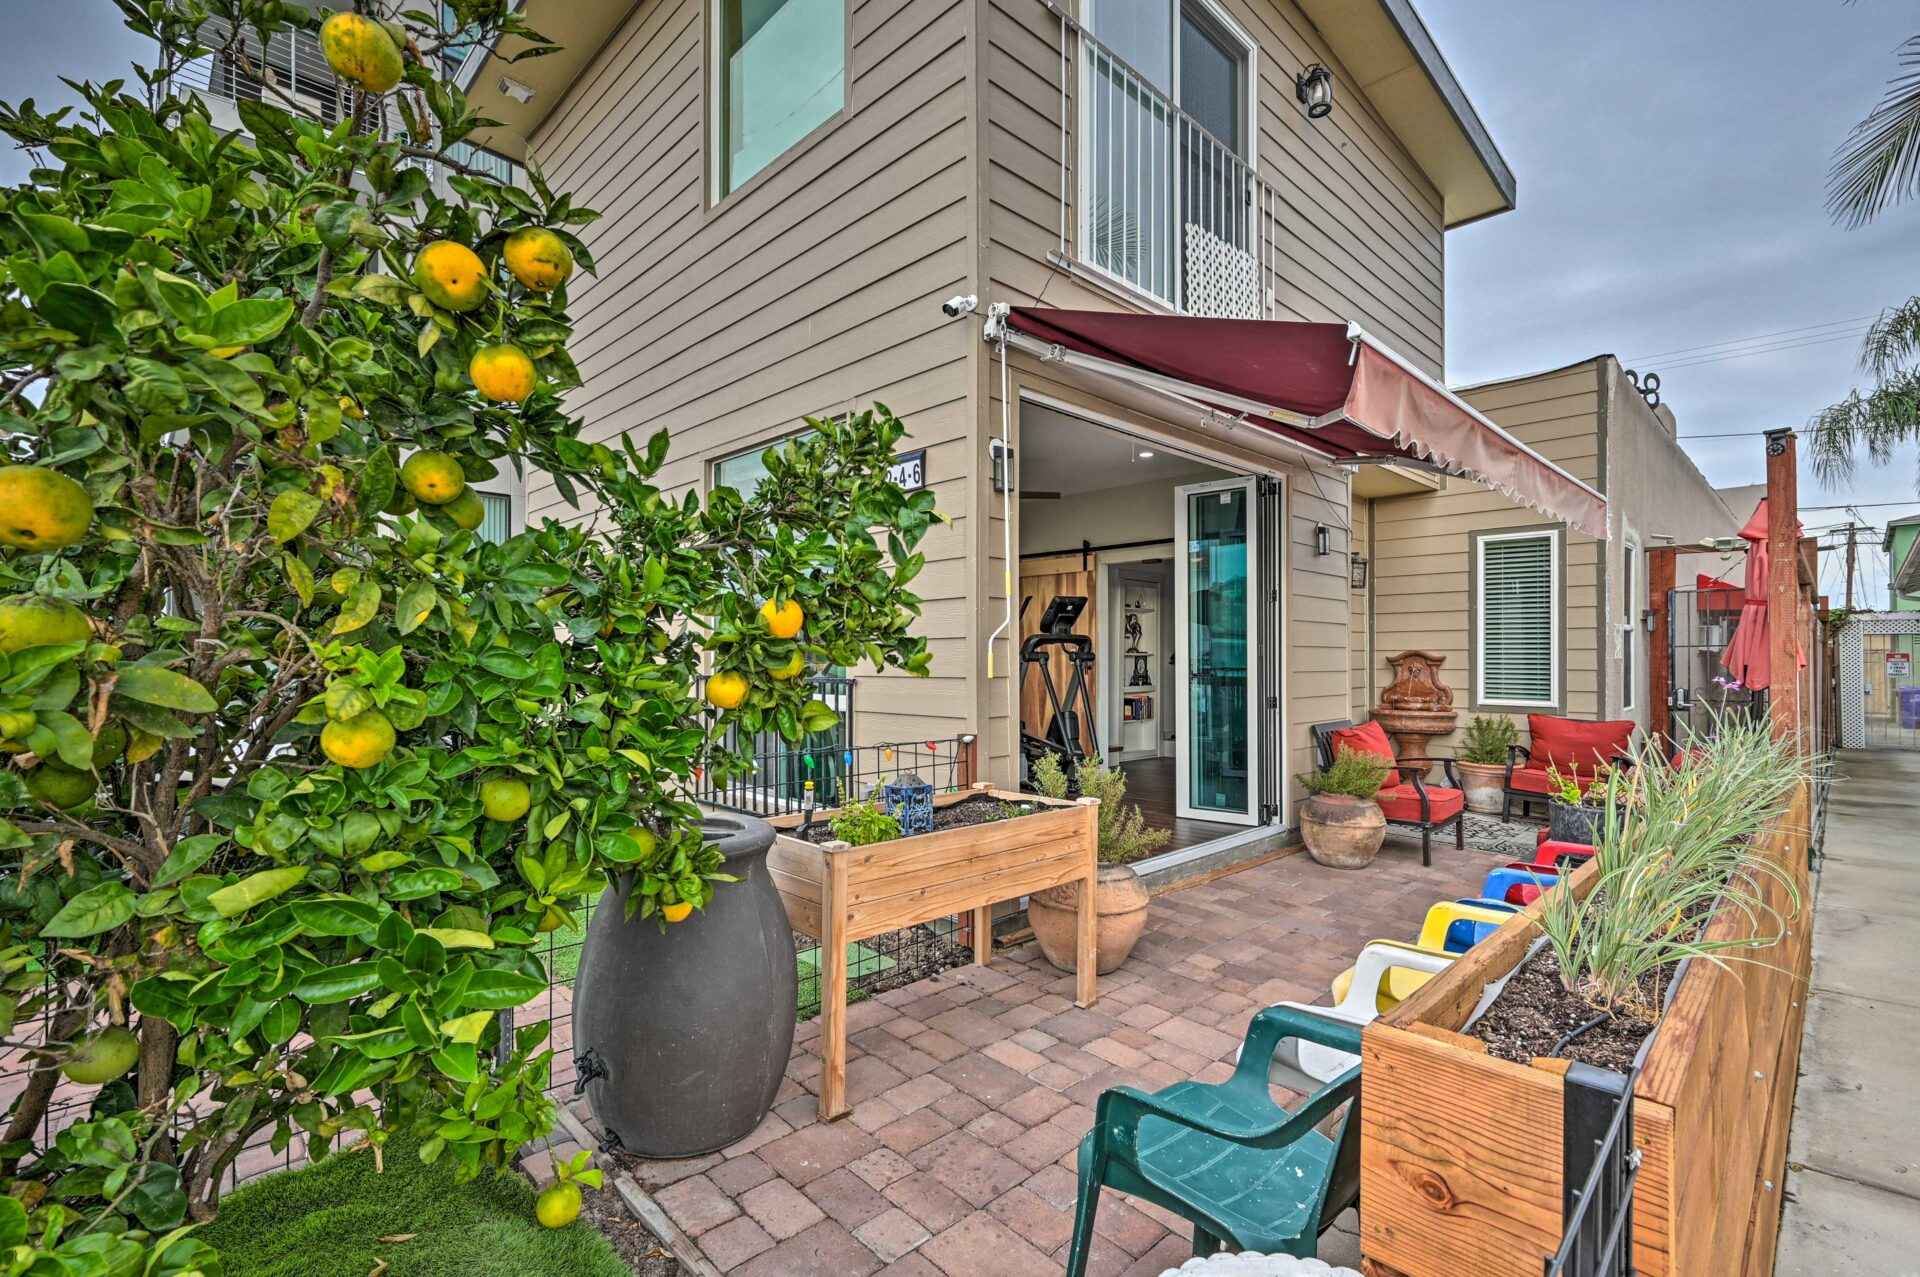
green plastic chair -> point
(1228, 1158)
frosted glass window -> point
(782, 73)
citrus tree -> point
(297, 766)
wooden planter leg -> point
(833, 992)
(983, 935)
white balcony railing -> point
(289, 71)
(1162, 204)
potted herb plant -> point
(1342, 825)
(1120, 898)
(1482, 763)
(1575, 810)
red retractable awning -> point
(1328, 387)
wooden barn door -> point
(1040, 580)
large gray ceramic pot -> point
(686, 1030)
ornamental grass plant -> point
(1675, 842)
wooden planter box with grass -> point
(1463, 1166)
(842, 894)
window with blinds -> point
(497, 523)
(1518, 657)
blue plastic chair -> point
(1225, 1156)
(1465, 933)
(1501, 882)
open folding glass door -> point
(1270, 534)
(1216, 642)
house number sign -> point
(909, 470)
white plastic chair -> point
(1358, 1004)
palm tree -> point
(1877, 167)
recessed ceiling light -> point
(1146, 454)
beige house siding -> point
(1359, 617)
(1421, 577)
(813, 288)
(1589, 419)
(1357, 227)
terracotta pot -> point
(1484, 785)
(1119, 899)
(1342, 832)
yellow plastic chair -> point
(1401, 982)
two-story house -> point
(1157, 285)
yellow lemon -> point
(678, 911)
(558, 1205)
(502, 373)
(59, 785)
(42, 509)
(101, 1057)
(433, 478)
(791, 670)
(33, 620)
(451, 275)
(504, 798)
(727, 690)
(538, 258)
(467, 509)
(359, 49)
(784, 617)
(358, 742)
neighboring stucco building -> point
(1903, 568)
(1571, 638)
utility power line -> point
(1741, 341)
(1773, 349)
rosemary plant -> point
(1674, 841)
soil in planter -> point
(981, 810)
(631, 1239)
(1534, 1011)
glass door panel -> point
(1215, 638)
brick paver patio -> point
(971, 1090)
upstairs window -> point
(1517, 652)
(779, 73)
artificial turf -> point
(327, 1220)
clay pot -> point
(1119, 899)
(1341, 831)
(1484, 784)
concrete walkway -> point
(1853, 1178)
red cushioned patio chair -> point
(1571, 746)
(1405, 798)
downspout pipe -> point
(995, 331)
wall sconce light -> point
(1320, 538)
(523, 93)
(1646, 619)
(1314, 88)
(1357, 571)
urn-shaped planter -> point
(1120, 903)
(1484, 785)
(685, 1031)
(1341, 831)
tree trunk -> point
(33, 1101)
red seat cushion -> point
(1569, 744)
(1368, 738)
(1531, 780)
(1551, 849)
(1402, 802)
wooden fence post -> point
(1661, 564)
(1783, 584)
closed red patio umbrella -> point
(1748, 658)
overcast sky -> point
(1671, 159)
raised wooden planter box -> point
(841, 893)
(1462, 1163)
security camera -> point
(960, 304)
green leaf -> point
(362, 605)
(468, 1028)
(282, 1021)
(458, 937)
(101, 907)
(300, 577)
(377, 480)
(416, 604)
(422, 882)
(73, 741)
(187, 855)
(382, 290)
(500, 990)
(229, 382)
(250, 322)
(346, 700)
(236, 898)
(336, 916)
(341, 221)
(169, 689)
(457, 1062)
(80, 310)
(338, 984)
(498, 660)
(291, 513)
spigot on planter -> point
(587, 1066)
